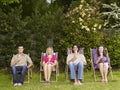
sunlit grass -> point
(88, 84)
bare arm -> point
(98, 60)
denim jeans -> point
(79, 66)
(19, 69)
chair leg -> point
(28, 76)
(40, 76)
(56, 75)
(111, 74)
(94, 75)
(66, 73)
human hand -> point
(74, 58)
(49, 63)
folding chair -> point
(29, 74)
(94, 66)
(69, 51)
(54, 71)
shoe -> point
(19, 84)
(15, 84)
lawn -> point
(88, 84)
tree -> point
(5, 2)
(113, 15)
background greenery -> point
(37, 25)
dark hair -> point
(20, 45)
(104, 51)
(73, 47)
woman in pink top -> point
(49, 62)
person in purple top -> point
(102, 60)
(49, 63)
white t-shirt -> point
(80, 57)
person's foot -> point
(102, 80)
(47, 81)
(75, 83)
(19, 84)
(79, 83)
(105, 80)
(15, 84)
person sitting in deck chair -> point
(20, 63)
(49, 62)
(76, 60)
(102, 60)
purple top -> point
(45, 58)
(95, 58)
(103, 60)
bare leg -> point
(101, 71)
(45, 71)
(105, 71)
(49, 71)
(75, 82)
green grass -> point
(88, 84)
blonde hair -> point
(49, 48)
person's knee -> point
(13, 68)
(24, 68)
(81, 64)
(106, 65)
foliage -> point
(37, 25)
(5, 2)
(113, 15)
(12, 32)
(112, 41)
(112, 30)
(82, 25)
(36, 32)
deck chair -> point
(55, 71)
(69, 51)
(29, 74)
(94, 66)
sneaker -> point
(15, 84)
(19, 84)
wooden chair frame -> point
(56, 71)
(93, 69)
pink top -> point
(45, 58)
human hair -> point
(49, 48)
(104, 50)
(20, 45)
(73, 47)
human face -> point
(75, 48)
(49, 51)
(101, 49)
(20, 49)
